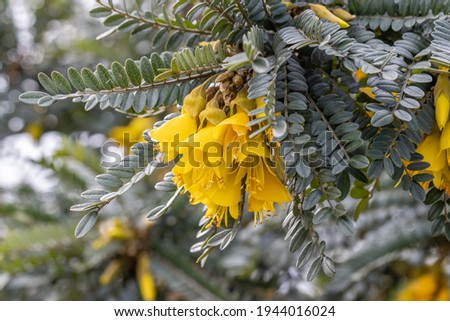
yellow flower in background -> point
(220, 164)
(323, 13)
(111, 272)
(110, 230)
(427, 287)
(144, 277)
(35, 129)
(132, 132)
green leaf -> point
(46, 101)
(93, 194)
(47, 83)
(86, 224)
(418, 166)
(312, 199)
(119, 74)
(61, 82)
(147, 70)
(156, 212)
(261, 65)
(90, 79)
(75, 79)
(382, 118)
(417, 191)
(359, 162)
(133, 72)
(298, 239)
(108, 180)
(105, 77)
(315, 268)
(114, 20)
(437, 226)
(175, 41)
(140, 99)
(166, 186)
(157, 63)
(421, 78)
(435, 210)
(403, 115)
(100, 12)
(32, 97)
(433, 195)
(322, 215)
(305, 255)
(328, 267)
(345, 224)
(160, 38)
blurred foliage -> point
(390, 256)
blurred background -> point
(49, 156)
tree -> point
(279, 103)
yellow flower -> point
(111, 230)
(262, 184)
(35, 129)
(323, 13)
(131, 133)
(111, 272)
(145, 279)
(442, 110)
(220, 165)
(442, 100)
(195, 101)
(427, 287)
(171, 133)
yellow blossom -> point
(113, 229)
(131, 133)
(323, 13)
(427, 287)
(220, 165)
(442, 110)
(111, 272)
(144, 277)
(171, 133)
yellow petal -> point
(445, 137)
(343, 14)
(442, 86)
(195, 101)
(368, 91)
(171, 133)
(431, 152)
(234, 211)
(323, 13)
(241, 104)
(442, 110)
(111, 272)
(212, 113)
(144, 278)
(359, 75)
(273, 189)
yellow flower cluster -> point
(427, 287)
(435, 147)
(116, 230)
(219, 164)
